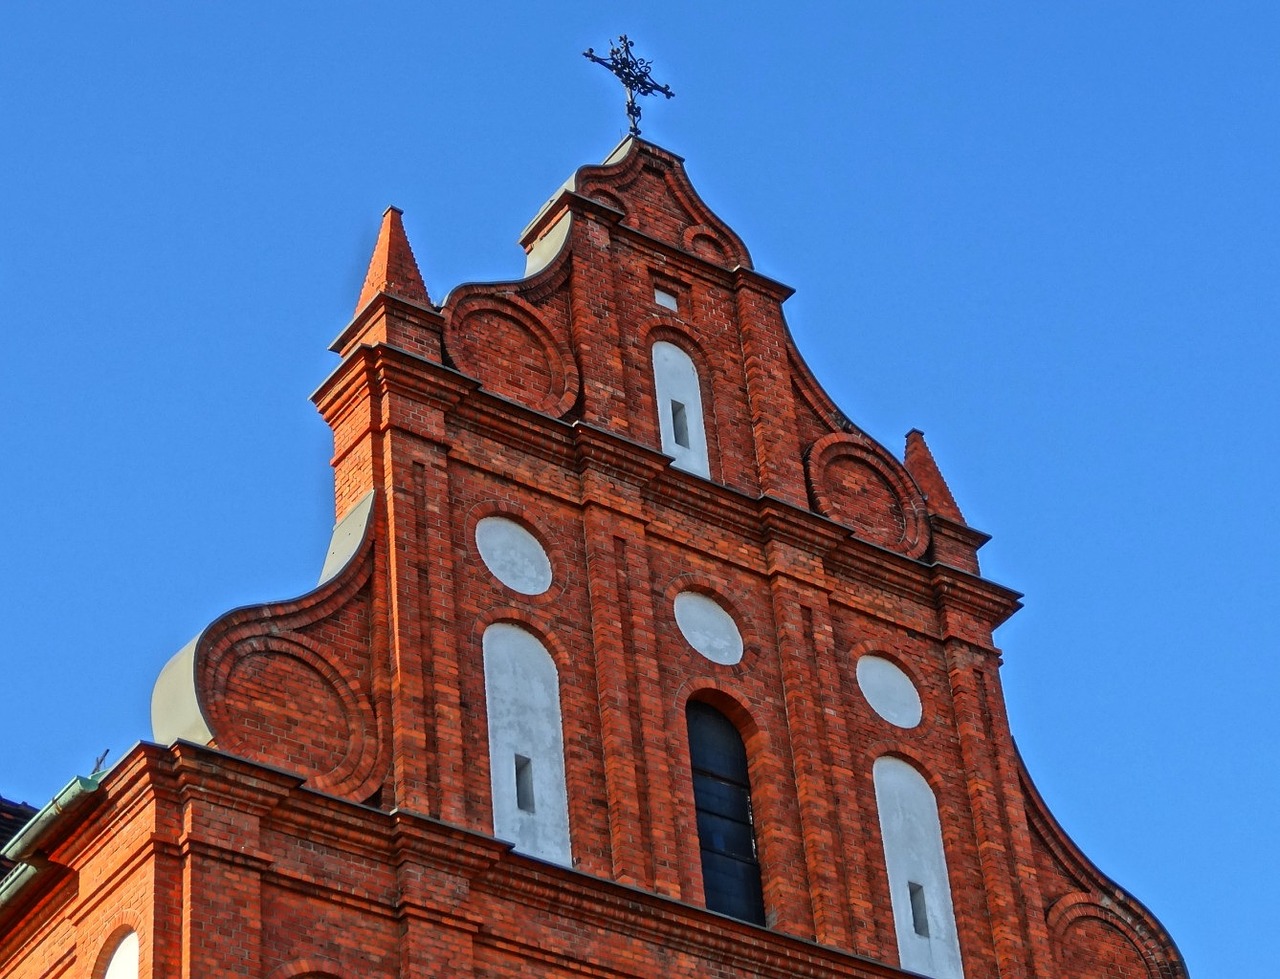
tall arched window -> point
(680, 421)
(526, 744)
(726, 832)
(919, 888)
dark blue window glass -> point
(726, 834)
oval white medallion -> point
(513, 555)
(889, 691)
(708, 628)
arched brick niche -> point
(504, 343)
(866, 490)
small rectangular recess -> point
(919, 913)
(524, 783)
(680, 423)
(665, 299)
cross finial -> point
(633, 72)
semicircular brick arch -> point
(601, 196)
(325, 730)
(1093, 941)
(854, 482)
(506, 345)
(702, 240)
(308, 968)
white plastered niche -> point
(680, 418)
(919, 888)
(526, 744)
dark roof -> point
(13, 816)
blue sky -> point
(1047, 235)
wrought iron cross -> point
(633, 72)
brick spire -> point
(393, 268)
(924, 470)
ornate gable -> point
(593, 512)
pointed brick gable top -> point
(924, 470)
(393, 268)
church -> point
(631, 656)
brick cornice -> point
(235, 855)
(868, 567)
(203, 774)
(482, 864)
(986, 600)
(748, 278)
(404, 372)
(384, 368)
(506, 420)
(637, 464)
(722, 510)
(381, 305)
(361, 830)
(789, 524)
(124, 792)
(618, 908)
(960, 532)
(433, 843)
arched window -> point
(726, 833)
(919, 889)
(124, 960)
(680, 422)
(526, 744)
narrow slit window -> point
(665, 299)
(524, 785)
(919, 913)
(680, 423)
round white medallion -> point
(513, 555)
(708, 628)
(889, 691)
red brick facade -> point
(340, 821)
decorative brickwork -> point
(339, 821)
(393, 268)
